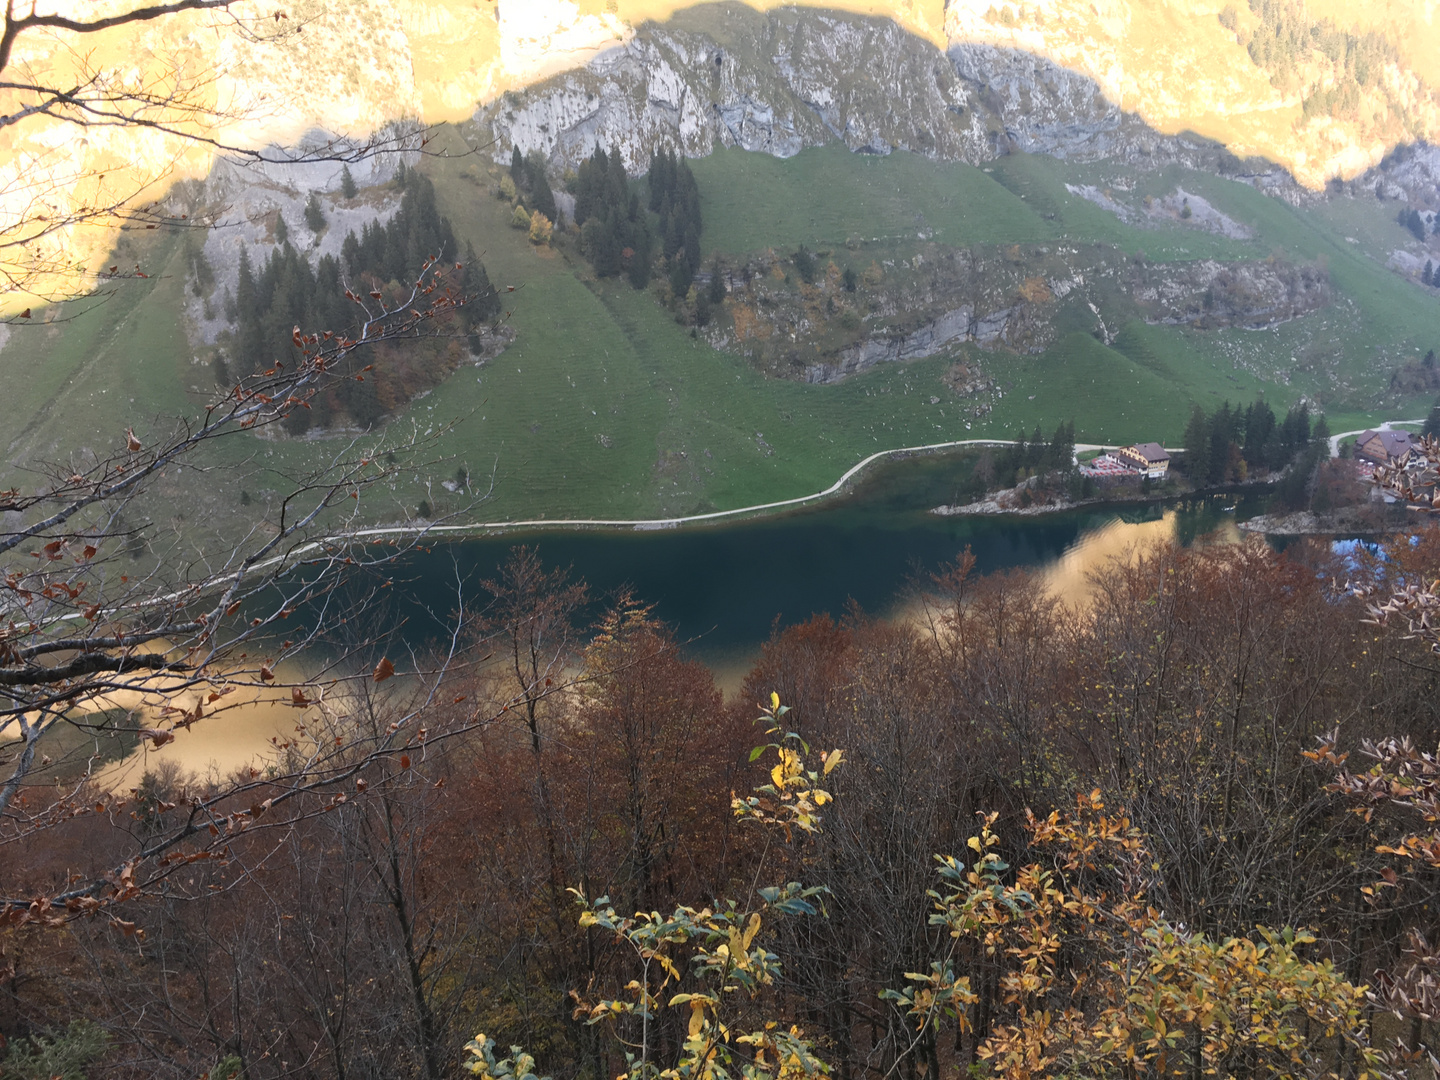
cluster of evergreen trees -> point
(287, 292)
(1417, 376)
(397, 249)
(619, 237)
(1287, 36)
(1227, 445)
(614, 232)
(1007, 466)
(1410, 218)
(1039, 455)
(1431, 427)
(532, 185)
(675, 196)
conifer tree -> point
(1197, 447)
(348, 187)
(805, 265)
(642, 254)
(542, 199)
(314, 215)
(681, 276)
(1062, 445)
(717, 284)
(245, 285)
(1259, 425)
(1432, 422)
(661, 178)
(484, 303)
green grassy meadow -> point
(606, 407)
(754, 201)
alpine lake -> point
(726, 587)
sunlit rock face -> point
(963, 79)
(541, 37)
(1177, 66)
(776, 84)
(779, 82)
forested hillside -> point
(485, 882)
(380, 264)
(785, 310)
(1184, 827)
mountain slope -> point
(357, 67)
(1115, 276)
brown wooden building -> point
(1383, 447)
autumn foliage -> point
(624, 874)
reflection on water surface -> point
(724, 588)
(1068, 577)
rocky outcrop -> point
(778, 83)
(253, 197)
(1254, 295)
(952, 328)
(1044, 108)
(1369, 519)
(1181, 208)
(933, 337)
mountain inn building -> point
(1383, 447)
(1147, 458)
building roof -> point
(1394, 443)
(1151, 451)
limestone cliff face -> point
(773, 84)
(1101, 78)
(1119, 79)
(331, 69)
(779, 82)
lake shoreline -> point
(1351, 521)
(993, 507)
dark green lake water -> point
(724, 586)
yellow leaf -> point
(697, 1017)
(774, 700)
(974, 843)
(831, 760)
(751, 929)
